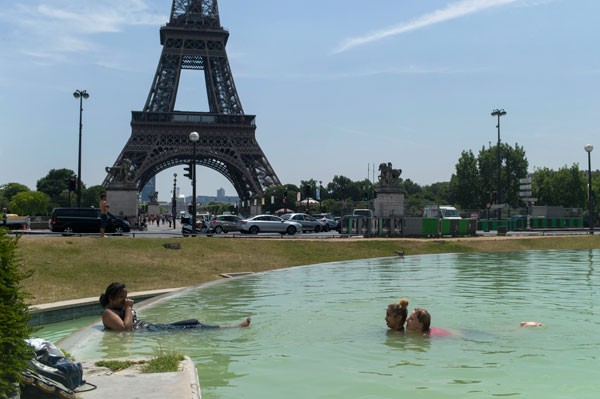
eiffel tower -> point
(193, 39)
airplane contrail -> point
(452, 11)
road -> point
(164, 231)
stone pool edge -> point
(76, 308)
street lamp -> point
(498, 113)
(319, 196)
(194, 137)
(80, 94)
(588, 148)
(174, 205)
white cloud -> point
(452, 11)
(60, 28)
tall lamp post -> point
(80, 94)
(498, 113)
(174, 205)
(194, 137)
(319, 193)
(588, 148)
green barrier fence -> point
(534, 223)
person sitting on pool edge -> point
(420, 321)
(119, 315)
(396, 314)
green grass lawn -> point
(79, 267)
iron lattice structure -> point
(194, 39)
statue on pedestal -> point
(121, 172)
(388, 176)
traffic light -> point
(189, 171)
(284, 196)
(72, 183)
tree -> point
(278, 193)
(465, 184)
(566, 187)
(14, 317)
(8, 191)
(30, 203)
(342, 188)
(513, 166)
(91, 196)
(410, 187)
(56, 185)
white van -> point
(367, 213)
(445, 212)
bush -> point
(14, 317)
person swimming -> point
(420, 321)
(397, 314)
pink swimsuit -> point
(439, 332)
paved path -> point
(131, 383)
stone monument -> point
(122, 192)
(153, 206)
(389, 196)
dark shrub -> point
(14, 317)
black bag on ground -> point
(50, 362)
(64, 371)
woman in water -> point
(118, 314)
(396, 314)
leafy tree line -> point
(472, 186)
(52, 191)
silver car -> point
(328, 220)
(269, 224)
(224, 223)
(308, 222)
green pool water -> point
(319, 331)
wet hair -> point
(399, 309)
(403, 302)
(423, 317)
(111, 291)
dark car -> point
(84, 220)
(225, 223)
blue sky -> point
(337, 85)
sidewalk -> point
(131, 383)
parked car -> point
(308, 222)
(84, 220)
(328, 221)
(269, 224)
(366, 213)
(225, 223)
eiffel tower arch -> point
(193, 39)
